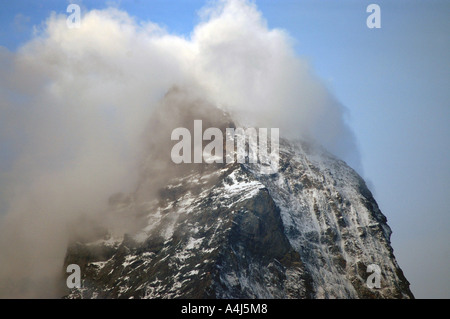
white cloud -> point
(77, 100)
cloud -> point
(76, 103)
(20, 22)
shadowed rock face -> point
(226, 231)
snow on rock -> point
(307, 231)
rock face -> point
(226, 231)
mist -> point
(77, 103)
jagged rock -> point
(309, 230)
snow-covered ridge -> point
(308, 231)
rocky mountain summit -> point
(309, 230)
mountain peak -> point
(309, 230)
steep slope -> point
(308, 231)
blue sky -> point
(394, 82)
